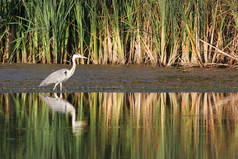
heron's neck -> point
(73, 67)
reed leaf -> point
(153, 31)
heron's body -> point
(60, 76)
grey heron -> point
(61, 75)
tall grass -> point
(135, 31)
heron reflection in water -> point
(60, 105)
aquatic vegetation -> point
(135, 31)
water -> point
(119, 125)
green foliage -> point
(160, 32)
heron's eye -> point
(65, 72)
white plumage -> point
(61, 75)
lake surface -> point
(119, 125)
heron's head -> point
(77, 55)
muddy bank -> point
(96, 78)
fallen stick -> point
(222, 52)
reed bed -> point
(153, 32)
(134, 125)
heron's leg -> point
(55, 86)
(61, 86)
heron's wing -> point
(55, 77)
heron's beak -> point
(81, 56)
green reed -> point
(135, 31)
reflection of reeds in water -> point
(139, 125)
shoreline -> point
(25, 78)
